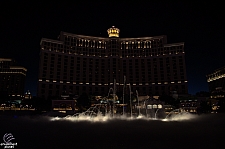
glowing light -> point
(113, 32)
(91, 117)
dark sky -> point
(199, 25)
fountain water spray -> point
(123, 92)
(96, 114)
(138, 105)
(114, 95)
(130, 102)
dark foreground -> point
(38, 132)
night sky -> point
(199, 25)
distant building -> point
(150, 107)
(27, 95)
(216, 82)
(78, 64)
(189, 105)
(66, 103)
(12, 79)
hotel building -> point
(12, 79)
(78, 64)
(216, 79)
(216, 83)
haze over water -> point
(202, 131)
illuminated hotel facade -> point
(86, 64)
(216, 83)
(12, 79)
(216, 79)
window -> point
(160, 106)
(149, 107)
(154, 106)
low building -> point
(27, 95)
(217, 100)
(189, 105)
(67, 103)
(151, 107)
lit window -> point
(160, 106)
(149, 107)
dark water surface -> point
(38, 132)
